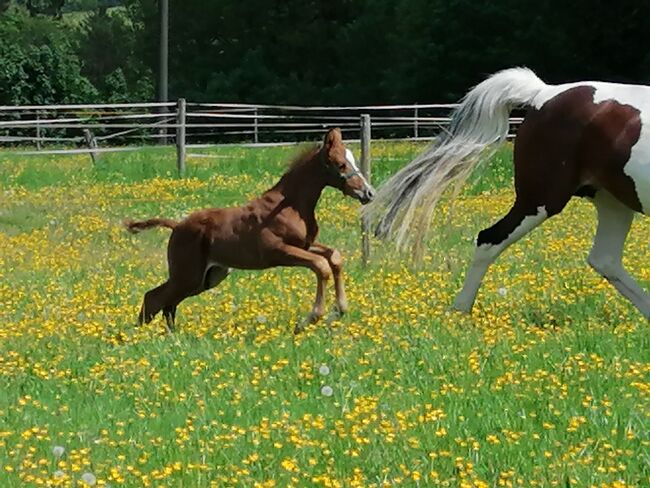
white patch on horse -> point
(350, 157)
(486, 254)
(614, 221)
(352, 162)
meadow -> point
(547, 383)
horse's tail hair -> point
(405, 203)
(134, 227)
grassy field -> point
(545, 384)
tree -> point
(111, 57)
(38, 63)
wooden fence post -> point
(365, 169)
(180, 136)
(91, 142)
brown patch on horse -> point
(571, 142)
(606, 148)
(569, 147)
(277, 229)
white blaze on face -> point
(350, 158)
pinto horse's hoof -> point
(460, 306)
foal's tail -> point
(407, 200)
(135, 227)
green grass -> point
(546, 384)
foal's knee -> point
(336, 261)
(322, 268)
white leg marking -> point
(614, 221)
(485, 255)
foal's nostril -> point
(370, 194)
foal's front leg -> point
(286, 255)
(335, 261)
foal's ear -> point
(333, 138)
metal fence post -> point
(255, 129)
(365, 169)
(180, 136)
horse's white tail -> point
(405, 203)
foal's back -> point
(226, 236)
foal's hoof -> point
(312, 318)
(336, 313)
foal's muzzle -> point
(365, 195)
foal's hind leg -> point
(493, 241)
(614, 221)
(169, 312)
(154, 301)
(213, 276)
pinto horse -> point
(277, 229)
(588, 139)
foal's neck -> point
(302, 185)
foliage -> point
(335, 52)
(38, 63)
(109, 48)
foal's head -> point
(341, 169)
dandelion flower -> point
(89, 479)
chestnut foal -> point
(277, 229)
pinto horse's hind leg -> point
(492, 242)
(614, 221)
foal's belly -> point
(240, 254)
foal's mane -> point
(305, 155)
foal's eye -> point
(341, 166)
